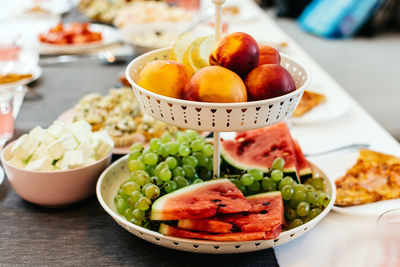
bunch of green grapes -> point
(169, 163)
(302, 202)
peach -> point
(269, 55)
(215, 84)
(268, 81)
(164, 77)
(237, 51)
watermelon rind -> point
(262, 195)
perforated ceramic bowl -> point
(217, 117)
(117, 173)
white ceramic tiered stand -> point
(215, 117)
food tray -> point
(111, 179)
(217, 117)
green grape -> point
(179, 171)
(172, 162)
(254, 187)
(208, 150)
(302, 209)
(268, 184)
(295, 223)
(121, 205)
(204, 173)
(157, 180)
(145, 187)
(318, 183)
(308, 181)
(170, 186)
(314, 213)
(159, 167)
(196, 176)
(138, 214)
(312, 198)
(138, 146)
(190, 171)
(197, 145)
(135, 196)
(298, 197)
(210, 164)
(182, 139)
(190, 160)
(128, 213)
(238, 184)
(152, 191)
(287, 192)
(150, 169)
(184, 150)
(122, 195)
(140, 158)
(165, 174)
(136, 221)
(181, 181)
(166, 137)
(134, 154)
(286, 181)
(299, 187)
(150, 158)
(201, 159)
(155, 144)
(197, 181)
(129, 187)
(143, 203)
(278, 164)
(309, 188)
(324, 199)
(291, 214)
(135, 165)
(164, 151)
(173, 148)
(256, 173)
(142, 177)
(276, 175)
(192, 134)
(247, 179)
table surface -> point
(84, 233)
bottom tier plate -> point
(111, 179)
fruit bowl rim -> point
(122, 220)
(263, 102)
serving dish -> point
(109, 184)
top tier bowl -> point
(217, 117)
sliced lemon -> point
(187, 57)
(201, 51)
(178, 50)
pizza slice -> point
(308, 102)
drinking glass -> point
(6, 115)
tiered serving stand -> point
(211, 117)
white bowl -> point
(53, 188)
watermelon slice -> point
(205, 225)
(201, 200)
(259, 148)
(173, 231)
(266, 213)
(303, 166)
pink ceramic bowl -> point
(53, 188)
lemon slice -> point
(178, 50)
(201, 51)
(187, 57)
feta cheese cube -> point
(82, 130)
(58, 129)
(56, 149)
(89, 161)
(68, 141)
(41, 164)
(17, 162)
(74, 158)
(102, 143)
(87, 150)
(24, 147)
(62, 164)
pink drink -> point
(6, 121)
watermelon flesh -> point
(259, 148)
(205, 225)
(201, 200)
(303, 166)
(173, 231)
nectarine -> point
(269, 55)
(268, 81)
(215, 84)
(238, 52)
(164, 77)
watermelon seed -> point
(263, 212)
(216, 200)
(237, 246)
(221, 205)
(216, 247)
(266, 203)
(257, 244)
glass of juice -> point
(6, 115)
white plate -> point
(36, 72)
(110, 36)
(335, 106)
